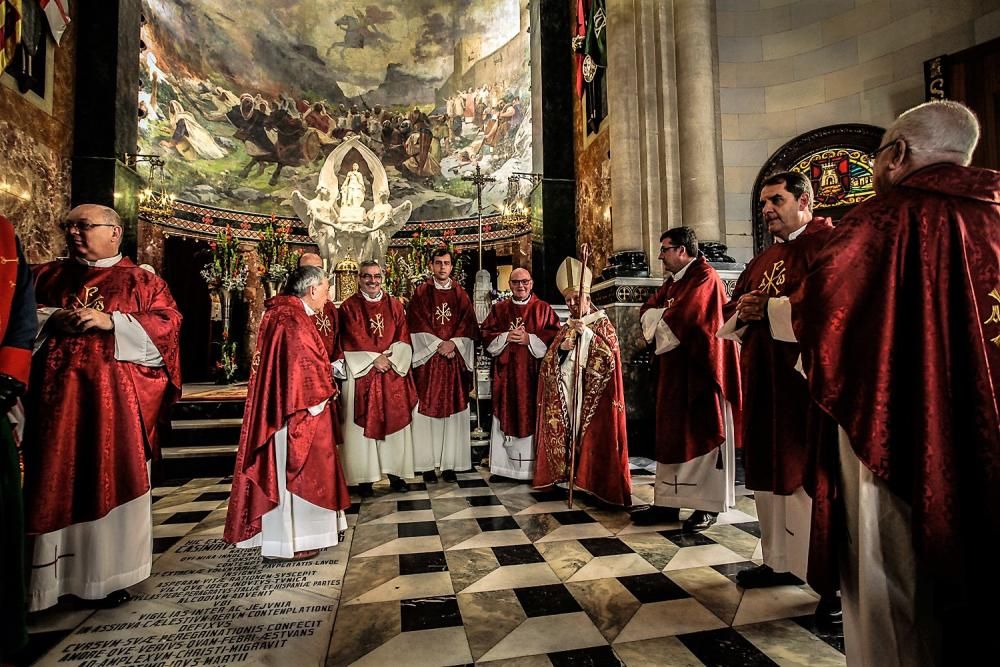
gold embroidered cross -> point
(775, 279)
(443, 313)
(670, 302)
(517, 323)
(994, 317)
(323, 323)
(377, 325)
(8, 260)
(92, 298)
(618, 405)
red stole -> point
(692, 375)
(899, 326)
(515, 369)
(92, 420)
(383, 402)
(291, 372)
(775, 396)
(602, 454)
(443, 385)
(328, 325)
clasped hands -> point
(518, 336)
(382, 363)
(752, 306)
(447, 349)
(80, 320)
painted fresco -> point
(245, 100)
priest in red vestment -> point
(289, 493)
(517, 332)
(106, 369)
(444, 330)
(597, 410)
(18, 326)
(327, 322)
(776, 403)
(379, 396)
(698, 389)
(898, 321)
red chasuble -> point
(515, 369)
(328, 325)
(691, 376)
(602, 449)
(91, 420)
(383, 402)
(443, 385)
(899, 325)
(291, 373)
(775, 396)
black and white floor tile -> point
(456, 574)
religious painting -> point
(245, 101)
(835, 160)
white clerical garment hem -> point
(509, 456)
(785, 522)
(704, 483)
(95, 558)
(884, 623)
(364, 459)
(295, 524)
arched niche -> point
(835, 158)
(339, 162)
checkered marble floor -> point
(498, 574)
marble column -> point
(700, 142)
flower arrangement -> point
(277, 260)
(227, 365)
(227, 267)
(406, 269)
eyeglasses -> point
(519, 282)
(82, 226)
(874, 153)
(665, 248)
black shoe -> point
(449, 476)
(828, 611)
(365, 490)
(114, 599)
(763, 576)
(430, 477)
(651, 515)
(700, 520)
(398, 484)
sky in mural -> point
(245, 100)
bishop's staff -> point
(574, 417)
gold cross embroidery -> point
(323, 323)
(775, 279)
(618, 405)
(8, 260)
(994, 317)
(92, 298)
(377, 325)
(670, 302)
(517, 323)
(443, 313)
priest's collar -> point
(309, 311)
(680, 274)
(444, 285)
(100, 263)
(521, 303)
(372, 298)
(798, 232)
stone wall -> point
(36, 144)
(790, 66)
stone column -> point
(700, 144)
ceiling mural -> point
(245, 100)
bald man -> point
(517, 332)
(105, 370)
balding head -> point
(310, 259)
(93, 232)
(938, 131)
(520, 284)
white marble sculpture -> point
(348, 231)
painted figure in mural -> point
(353, 192)
(189, 138)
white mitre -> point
(569, 274)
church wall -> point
(786, 68)
(36, 144)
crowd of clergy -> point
(855, 366)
